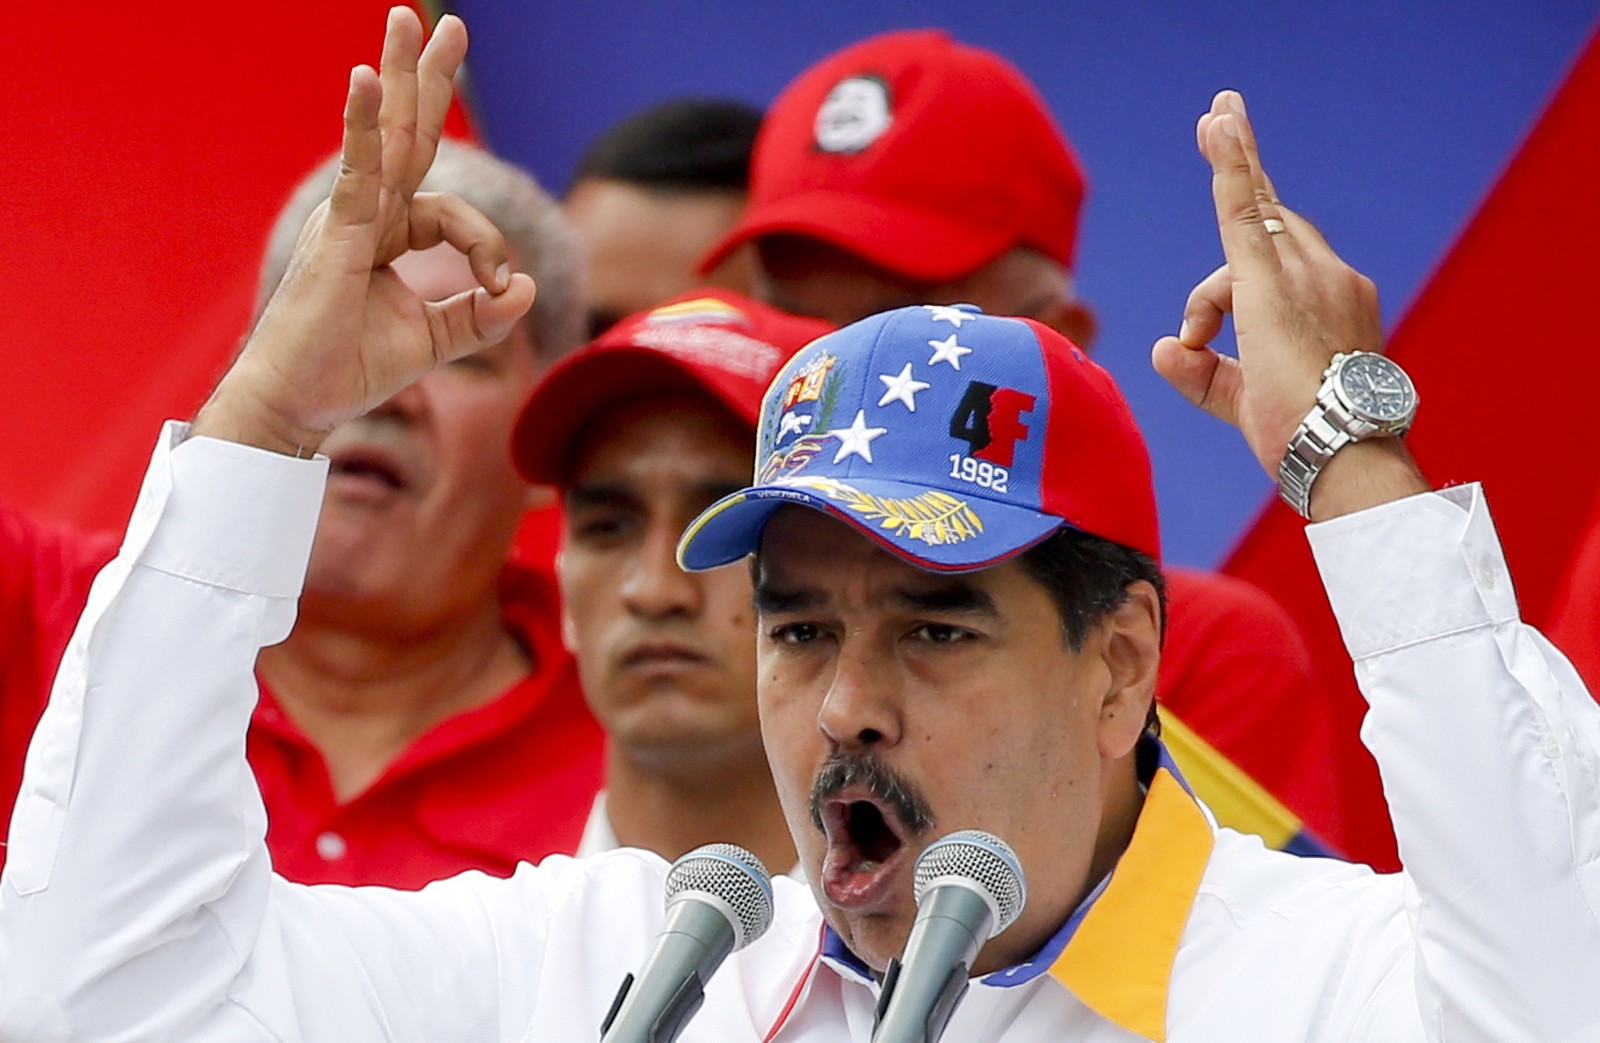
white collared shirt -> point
(138, 901)
(598, 836)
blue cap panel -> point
(924, 426)
(900, 394)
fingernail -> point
(502, 276)
(1183, 331)
(1236, 103)
(1230, 127)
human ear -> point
(1075, 320)
(1129, 640)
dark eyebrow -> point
(602, 319)
(769, 601)
(591, 496)
(595, 495)
(953, 597)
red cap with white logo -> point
(918, 154)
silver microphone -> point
(719, 899)
(969, 887)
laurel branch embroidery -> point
(933, 517)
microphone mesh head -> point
(732, 875)
(979, 858)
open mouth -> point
(865, 844)
(875, 843)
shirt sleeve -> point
(1487, 743)
(138, 900)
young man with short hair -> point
(640, 432)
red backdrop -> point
(124, 121)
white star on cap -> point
(792, 424)
(945, 313)
(856, 440)
(902, 388)
(947, 350)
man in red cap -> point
(909, 168)
(640, 432)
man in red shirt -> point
(911, 169)
(423, 718)
(640, 432)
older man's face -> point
(898, 705)
(423, 498)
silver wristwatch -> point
(1363, 395)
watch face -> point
(1377, 388)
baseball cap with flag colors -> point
(916, 153)
(714, 343)
(953, 438)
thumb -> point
(1209, 380)
(474, 319)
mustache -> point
(855, 769)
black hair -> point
(1088, 579)
(686, 144)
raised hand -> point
(343, 333)
(1295, 304)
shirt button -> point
(331, 846)
(1552, 750)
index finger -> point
(354, 196)
(1233, 101)
(1245, 241)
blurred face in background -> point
(643, 244)
(806, 276)
(422, 498)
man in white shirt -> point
(898, 700)
(640, 432)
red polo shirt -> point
(509, 781)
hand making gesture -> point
(1295, 304)
(343, 333)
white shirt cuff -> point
(1414, 570)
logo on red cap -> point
(855, 113)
